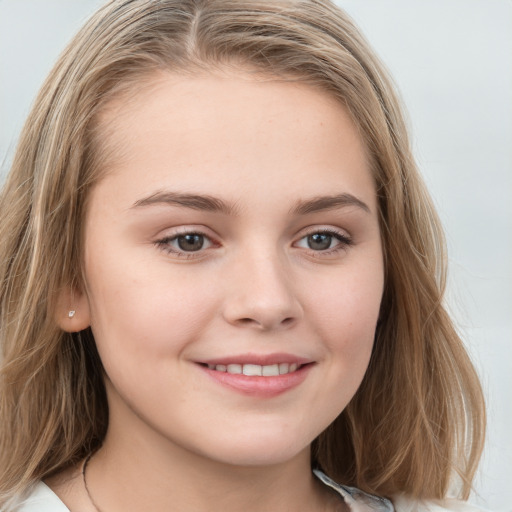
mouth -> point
(259, 376)
(256, 370)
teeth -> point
(234, 368)
(284, 368)
(270, 371)
(252, 370)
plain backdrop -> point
(452, 62)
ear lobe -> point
(72, 313)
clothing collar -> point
(356, 500)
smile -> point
(256, 370)
(259, 376)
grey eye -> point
(319, 241)
(191, 242)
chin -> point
(258, 450)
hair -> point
(417, 420)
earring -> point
(71, 314)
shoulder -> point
(40, 499)
(359, 501)
(405, 504)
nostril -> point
(265, 324)
(246, 321)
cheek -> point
(348, 311)
(140, 309)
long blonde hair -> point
(417, 419)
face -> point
(233, 265)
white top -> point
(43, 499)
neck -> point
(148, 473)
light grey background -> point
(452, 61)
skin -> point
(177, 438)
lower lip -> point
(264, 387)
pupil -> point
(319, 241)
(190, 242)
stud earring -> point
(71, 314)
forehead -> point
(231, 128)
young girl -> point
(222, 277)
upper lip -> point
(258, 359)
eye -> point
(324, 241)
(185, 243)
(319, 241)
(191, 242)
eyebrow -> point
(216, 205)
(323, 203)
(194, 201)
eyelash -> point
(344, 240)
(164, 244)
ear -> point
(72, 312)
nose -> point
(260, 294)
